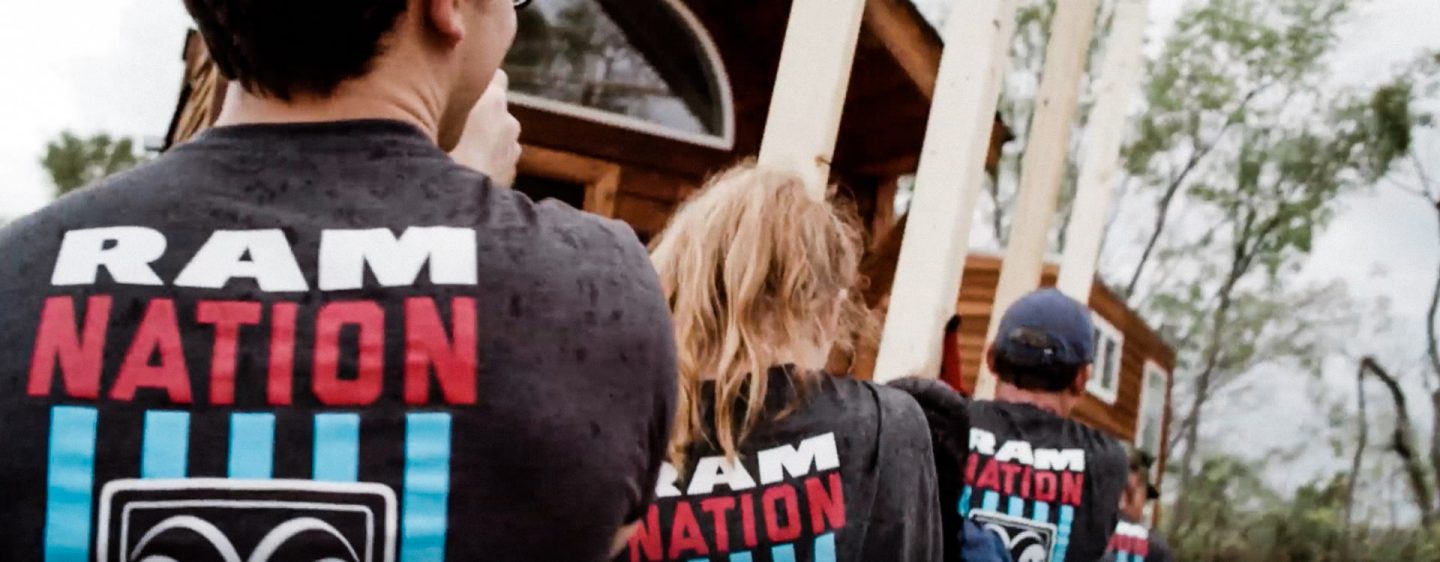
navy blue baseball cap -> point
(1046, 329)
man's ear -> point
(1082, 379)
(445, 18)
(990, 358)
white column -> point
(810, 87)
(1118, 80)
(1043, 166)
(949, 179)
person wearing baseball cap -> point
(1047, 484)
(1134, 541)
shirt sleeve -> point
(947, 414)
(662, 371)
(1110, 473)
(904, 521)
(1159, 549)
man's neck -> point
(352, 101)
(1048, 401)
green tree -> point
(1224, 62)
(74, 162)
(1405, 130)
(1242, 132)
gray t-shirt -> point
(839, 471)
(325, 341)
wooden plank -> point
(903, 34)
(1118, 80)
(810, 88)
(884, 218)
(600, 196)
(1043, 166)
(948, 182)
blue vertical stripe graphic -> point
(70, 482)
(740, 557)
(825, 548)
(427, 488)
(1062, 539)
(990, 501)
(165, 450)
(1015, 507)
(1042, 512)
(252, 446)
(783, 553)
(337, 447)
(965, 501)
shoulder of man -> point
(945, 410)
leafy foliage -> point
(1236, 517)
(74, 162)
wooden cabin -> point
(627, 106)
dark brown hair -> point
(281, 48)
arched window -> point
(646, 66)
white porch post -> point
(950, 177)
(1113, 91)
(810, 87)
(1043, 166)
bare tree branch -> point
(1356, 461)
(1403, 442)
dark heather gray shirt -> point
(1048, 486)
(325, 341)
(1135, 542)
(842, 470)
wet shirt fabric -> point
(842, 472)
(1048, 486)
(1133, 542)
(325, 341)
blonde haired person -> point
(772, 458)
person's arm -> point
(1111, 474)
(491, 141)
(622, 539)
(904, 521)
(656, 335)
(948, 415)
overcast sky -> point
(114, 66)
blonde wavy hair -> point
(754, 268)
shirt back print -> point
(846, 476)
(324, 341)
(1133, 542)
(1050, 487)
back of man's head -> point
(284, 48)
(427, 56)
(1045, 341)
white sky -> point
(114, 66)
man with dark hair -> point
(312, 334)
(1048, 485)
(1134, 541)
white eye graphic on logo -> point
(205, 529)
(1027, 541)
(217, 520)
(264, 551)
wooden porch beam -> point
(896, 24)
